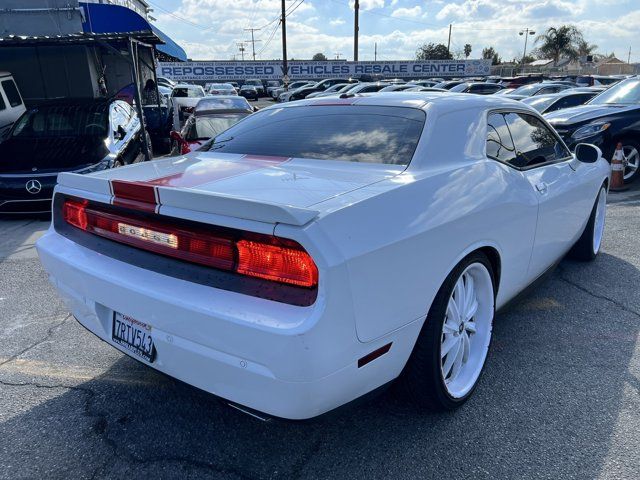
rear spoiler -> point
(147, 197)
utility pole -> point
(375, 52)
(337, 55)
(356, 29)
(629, 57)
(241, 48)
(253, 41)
(285, 68)
(449, 42)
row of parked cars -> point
(87, 135)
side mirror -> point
(254, 108)
(587, 153)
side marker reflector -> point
(373, 355)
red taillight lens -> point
(74, 213)
(277, 263)
(185, 148)
(284, 263)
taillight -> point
(277, 263)
(260, 256)
(185, 148)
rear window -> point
(212, 103)
(349, 133)
(209, 127)
(11, 91)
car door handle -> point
(541, 187)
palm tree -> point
(585, 48)
(560, 42)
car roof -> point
(422, 100)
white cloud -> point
(407, 12)
(337, 21)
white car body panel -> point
(383, 237)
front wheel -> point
(452, 348)
(588, 245)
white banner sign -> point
(272, 70)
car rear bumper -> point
(286, 361)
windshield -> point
(182, 92)
(527, 90)
(228, 103)
(370, 134)
(62, 121)
(210, 126)
(539, 103)
(624, 93)
(253, 82)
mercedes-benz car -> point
(319, 250)
(611, 117)
(65, 135)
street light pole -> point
(526, 32)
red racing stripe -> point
(210, 171)
(137, 195)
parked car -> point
(426, 89)
(424, 83)
(273, 85)
(565, 99)
(316, 263)
(257, 84)
(11, 104)
(479, 88)
(291, 87)
(542, 88)
(185, 97)
(235, 86)
(515, 82)
(397, 88)
(249, 91)
(595, 80)
(365, 87)
(321, 86)
(612, 116)
(212, 116)
(64, 135)
(332, 90)
(448, 84)
(220, 89)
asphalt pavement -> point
(560, 397)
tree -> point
(559, 42)
(467, 50)
(433, 51)
(585, 48)
(490, 53)
(319, 57)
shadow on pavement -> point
(548, 406)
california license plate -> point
(133, 335)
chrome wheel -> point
(631, 161)
(598, 225)
(466, 330)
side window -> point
(534, 142)
(11, 91)
(2, 104)
(499, 143)
(117, 118)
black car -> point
(565, 99)
(448, 84)
(249, 91)
(66, 135)
(611, 117)
(321, 86)
(479, 88)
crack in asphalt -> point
(100, 427)
(595, 295)
(50, 332)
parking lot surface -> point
(559, 398)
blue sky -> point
(210, 29)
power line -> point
(177, 17)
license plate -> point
(133, 335)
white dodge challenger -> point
(317, 251)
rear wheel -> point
(588, 245)
(452, 348)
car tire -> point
(588, 245)
(432, 379)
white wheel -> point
(599, 219)
(466, 330)
(451, 350)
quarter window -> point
(2, 104)
(499, 143)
